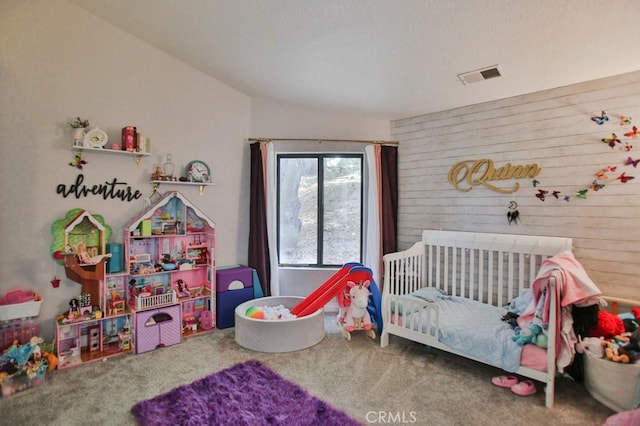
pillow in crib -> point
(520, 303)
(431, 294)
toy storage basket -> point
(20, 310)
(614, 384)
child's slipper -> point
(504, 381)
(524, 388)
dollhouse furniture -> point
(234, 286)
(475, 274)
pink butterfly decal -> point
(596, 186)
(602, 174)
(632, 162)
(624, 178)
(599, 120)
(627, 147)
(541, 193)
(625, 120)
(633, 133)
(612, 140)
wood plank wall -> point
(553, 129)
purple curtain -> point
(258, 257)
(389, 198)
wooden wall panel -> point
(553, 129)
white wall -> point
(59, 61)
(554, 129)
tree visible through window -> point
(319, 209)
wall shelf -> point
(156, 184)
(138, 155)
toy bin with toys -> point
(614, 384)
(23, 366)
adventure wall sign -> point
(466, 174)
(108, 190)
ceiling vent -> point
(480, 75)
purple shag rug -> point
(246, 394)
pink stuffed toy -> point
(344, 300)
(357, 315)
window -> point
(319, 209)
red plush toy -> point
(636, 313)
(609, 325)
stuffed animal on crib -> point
(357, 315)
(532, 334)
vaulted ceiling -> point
(387, 59)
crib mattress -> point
(476, 330)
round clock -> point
(95, 138)
(198, 171)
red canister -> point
(129, 138)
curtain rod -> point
(323, 140)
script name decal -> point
(466, 174)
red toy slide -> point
(331, 288)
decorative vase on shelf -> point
(78, 135)
(167, 168)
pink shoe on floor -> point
(504, 381)
(524, 388)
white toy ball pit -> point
(272, 336)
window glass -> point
(319, 209)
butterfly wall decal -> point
(624, 178)
(632, 162)
(535, 183)
(599, 120)
(612, 140)
(596, 186)
(567, 198)
(625, 120)
(556, 194)
(78, 162)
(582, 194)
(627, 147)
(633, 133)
(602, 174)
(541, 193)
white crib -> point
(489, 268)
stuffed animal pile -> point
(616, 337)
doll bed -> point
(468, 278)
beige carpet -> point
(404, 383)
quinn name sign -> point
(464, 175)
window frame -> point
(320, 157)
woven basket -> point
(614, 384)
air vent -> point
(480, 75)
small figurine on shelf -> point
(157, 174)
(74, 305)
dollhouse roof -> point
(165, 199)
(80, 217)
